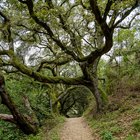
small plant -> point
(107, 135)
(130, 137)
(37, 137)
(8, 132)
(115, 129)
(138, 109)
(136, 125)
(53, 134)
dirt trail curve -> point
(76, 129)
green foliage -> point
(39, 136)
(127, 35)
(66, 26)
(138, 109)
(50, 130)
(104, 95)
(107, 135)
(9, 131)
(54, 136)
(35, 91)
(136, 125)
(54, 133)
(19, 86)
(75, 102)
(131, 137)
(116, 129)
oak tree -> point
(40, 38)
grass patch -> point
(117, 124)
(106, 135)
(49, 131)
(39, 136)
(136, 125)
(130, 137)
(54, 133)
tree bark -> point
(91, 69)
(90, 73)
(94, 89)
(23, 122)
(99, 102)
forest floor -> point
(76, 129)
(122, 119)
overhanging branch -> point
(40, 77)
(30, 6)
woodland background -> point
(67, 59)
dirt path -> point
(76, 129)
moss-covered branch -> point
(55, 62)
(40, 77)
(44, 25)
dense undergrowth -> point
(120, 121)
(122, 118)
(49, 131)
(20, 87)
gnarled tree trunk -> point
(99, 101)
(90, 73)
(21, 121)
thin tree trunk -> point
(23, 122)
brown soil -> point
(76, 129)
